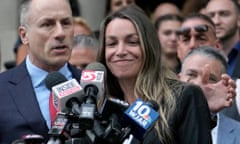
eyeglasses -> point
(187, 30)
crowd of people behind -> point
(185, 59)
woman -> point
(167, 26)
(130, 50)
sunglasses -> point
(187, 30)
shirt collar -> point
(38, 75)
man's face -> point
(225, 17)
(81, 57)
(195, 67)
(194, 33)
(48, 33)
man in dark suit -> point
(47, 29)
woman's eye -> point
(110, 44)
(133, 42)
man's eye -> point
(185, 38)
(167, 33)
(191, 74)
(224, 13)
(46, 24)
(67, 22)
(211, 15)
(213, 79)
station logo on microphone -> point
(93, 76)
(142, 114)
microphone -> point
(66, 93)
(108, 129)
(33, 139)
(92, 81)
(113, 105)
(66, 97)
(140, 117)
(93, 77)
(30, 139)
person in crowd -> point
(196, 30)
(131, 52)
(212, 77)
(115, 5)
(167, 26)
(193, 34)
(81, 27)
(225, 15)
(205, 67)
(46, 28)
(84, 51)
(193, 6)
(165, 8)
(20, 50)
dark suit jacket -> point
(236, 69)
(192, 123)
(19, 109)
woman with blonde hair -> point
(130, 50)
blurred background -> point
(93, 11)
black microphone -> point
(66, 93)
(109, 129)
(112, 105)
(66, 97)
(92, 81)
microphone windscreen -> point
(54, 78)
(96, 66)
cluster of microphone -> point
(85, 115)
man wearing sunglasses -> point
(196, 30)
